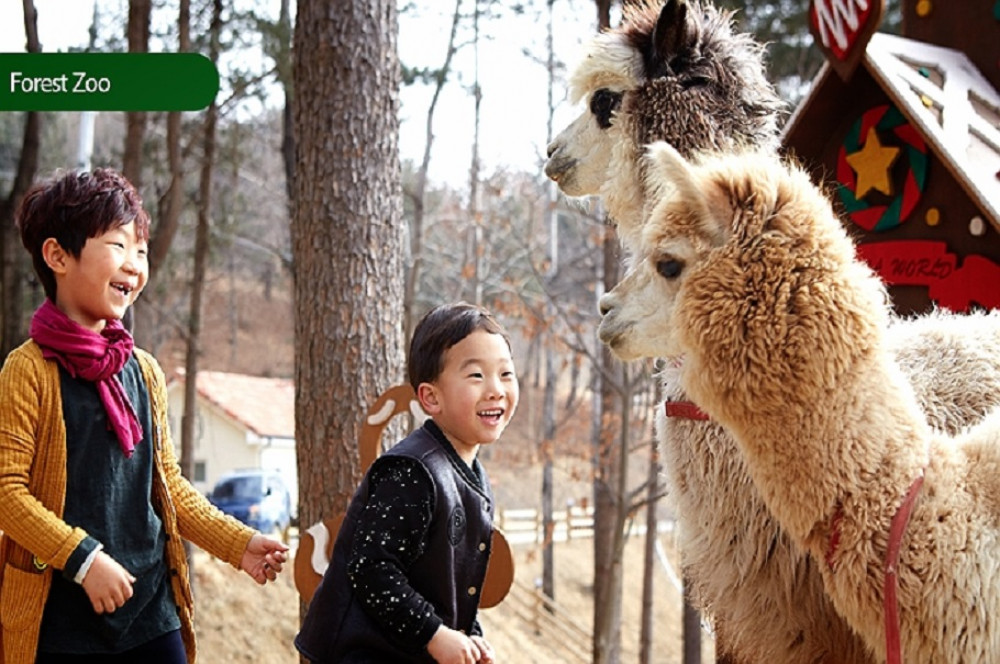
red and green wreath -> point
(882, 216)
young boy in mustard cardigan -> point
(93, 507)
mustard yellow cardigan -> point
(33, 494)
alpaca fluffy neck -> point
(624, 195)
(824, 450)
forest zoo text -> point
(78, 82)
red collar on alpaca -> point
(685, 409)
(889, 585)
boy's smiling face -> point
(104, 280)
(474, 397)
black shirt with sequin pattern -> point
(410, 557)
(390, 536)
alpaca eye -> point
(695, 82)
(603, 104)
(669, 268)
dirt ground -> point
(239, 621)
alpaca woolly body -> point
(764, 593)
(746, 273)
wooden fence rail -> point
(560, 631)
(522, 526)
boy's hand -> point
(107, 584)
(486, 652)
(449, 646)
(263, 558)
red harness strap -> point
(896, 530)
(684, 409)
(890, 602)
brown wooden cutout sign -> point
(842, 29)
(316, 543)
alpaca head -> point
(678, 74)
(745, 272)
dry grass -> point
(239, 621)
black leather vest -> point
(449, 573)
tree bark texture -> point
(347, 238)
(135, 122)
(147, 319)
(609, 494)
(15, 260)
(13, 276)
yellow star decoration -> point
(872, 164)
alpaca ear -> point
(675, 32)
(670, 175)
(668, 172)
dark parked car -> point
(258, 498)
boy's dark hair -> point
(72, 208)
(443, 327)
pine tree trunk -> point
(607, 495)
(135, 122)
(13, 276)
(147, 323)
(346, 238)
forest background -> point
(334, 192)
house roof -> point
(265, 406)
(956, 108)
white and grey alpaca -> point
(677, 73)
(747, 278)
(680, 73)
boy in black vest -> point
(408, 565)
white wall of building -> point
(219, 442)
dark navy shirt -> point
(108, 495)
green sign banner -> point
(106, 82)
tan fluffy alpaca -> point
(680, 72)
(746, 276)
(764, 593)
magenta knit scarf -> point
(94, 357)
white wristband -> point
(81, 573)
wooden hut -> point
(906, 131)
